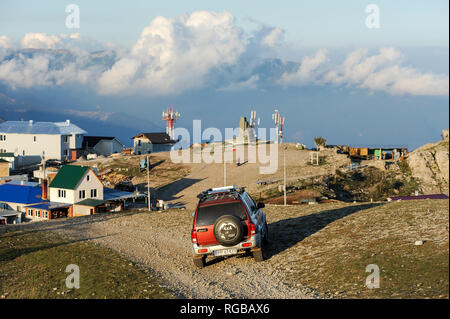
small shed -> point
(102, 145)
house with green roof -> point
(73, 184)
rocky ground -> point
(429, 164)
(316, 251)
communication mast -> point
(276, 118)
(281, 129)
(254, 122)
(170, 117)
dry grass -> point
(332, 244)
(33, 263)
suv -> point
(228, 222)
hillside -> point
(429, 165)
(316, 251)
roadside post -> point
(148, 186)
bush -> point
(320, 141)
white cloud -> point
(249, 84)
(273, 37)
(199, 50)
(73, 42)
(6, 43)
(176, 55)
(384, 72)
(41, 41)
(44, 69)
(307, 72)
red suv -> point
(228, 222)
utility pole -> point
(224, 167)
(148, 186)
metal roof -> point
(157, 138)
(6, 154)
(49, 205)
(20, 194)
(413, 197)
(30, 127)
(114, 194)
(68, 176)
(16, 182)
(91, 141)
(91, 202)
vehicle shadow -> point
(288, 232)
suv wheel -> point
(228, 230)
(200, 261)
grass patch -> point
(334, 259)
(33, 264)
(372, 183)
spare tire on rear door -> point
(228, 230)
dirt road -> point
(160, 241)
(203, 176)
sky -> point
(406, 23)
(316, 61)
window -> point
(45, 215)
(93, 193)
(207, 215)
(66, 139)
(23, 152)
(30, 212)
(88, 178)
(34, 139)
(82, 194)
(61, 193)
(2, 137)
(38, 213)
(66, 152)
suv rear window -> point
(207, 215)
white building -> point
(146, 143)
(59, 140)
(102, 145)
(75, 183)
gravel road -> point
(160, 241)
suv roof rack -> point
(211, 192)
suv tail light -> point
(252, 228)
(194, 236)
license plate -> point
(225, 252)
